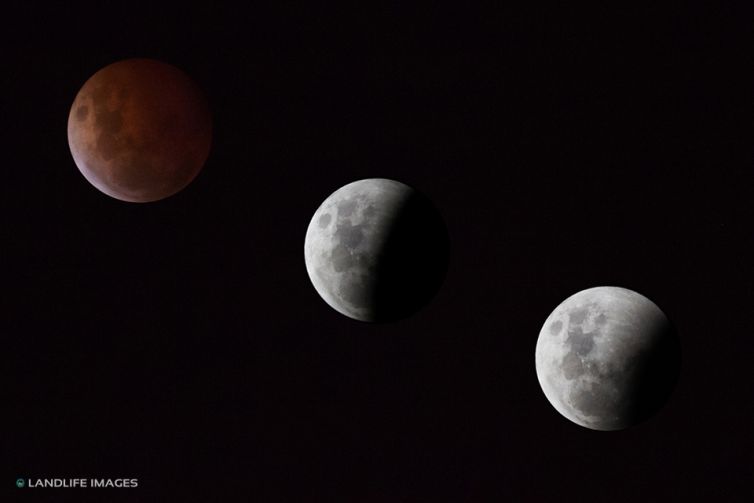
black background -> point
(181, 342)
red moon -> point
(139, 130)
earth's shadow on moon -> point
(412, 263)
(657, 374)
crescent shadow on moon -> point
(413, 261)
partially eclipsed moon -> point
(607, 358)
(376, 250)
(139, 130)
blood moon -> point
(140, 130)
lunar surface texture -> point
(607, 358)
(139, 130)
(376, 250)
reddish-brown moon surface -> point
(139, 130)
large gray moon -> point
(607, 358)
(376, 250)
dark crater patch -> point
(108, 146)
(109, 122)
(556, 327)
(342, 258)
(347, 207)
(581, 343)
(578, 316)
(349, 235)
(324, 220)
(572, 366)
(82, 112)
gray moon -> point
(607, 358)
(376, 250)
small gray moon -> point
(376, 250)
(607, 358)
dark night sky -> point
(181, 342)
